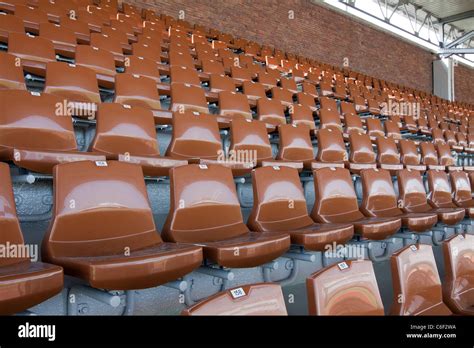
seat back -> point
(72, 82)
(331, 148)
(378, 195)
(234, 105)
(336, 199)
(361, 148)
(11, 73)
(187, 97)
(346, 288)
(415, 280)
(194, 135)
(248, 136)
(374, 127)
(182, 74)
(444, 155)
(461, 186)
(136, 90)
(122, 129)
(100, 208)
(409, 152)
(387, 151)
(204, 206)
(34, 121)
(411, 191)
(270, 111)
(392, 130)
(279, 203)
(459, 272)
(428, 153)
(9, 224)
(295, 143)
(302, 114)
(254, 299)
(353, 124)
(439, 188)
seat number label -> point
(343, 265)
(236, 293)
(101, 163)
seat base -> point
(377, 228)
(44, 161)
(143, 269)
(450, 216)
(318, 236)
(27, 284)
(249, 250)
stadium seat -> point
(458, 285)
(331, 149)
(182, 74)
(353, 123)
(209, 192)
(461, 187)
(302, 115)
(11, 73)
(440, 196)
(416, 283)
(83, 93)
(429, 156)
(10, 24)
(410, 157)
(336, 202)
(46, 135)
(34, 51)
(63, 38)
(345, 288)
(100, 61)
(234, 105)
(137, 90)
(271, 111)
(23, 283)
(253, 90)
(111, 44)
(388, 156)
(124, 253)
(446, 158)
(362, 155)
(128, 134)
(379, 199)
(295, 144)
(185, 97)
(374, 127)
(413, 198)
(253, 299)
(284, 210)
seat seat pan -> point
(317, 236)
(44, 161)
(154, 165)
(438, 309)
(469, 206)
(461, 302)
(26, 284)
(450, 216)
(144, 268)
(419, 222)
(254, 249)
(377, 227)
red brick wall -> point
(464, 84)
(316, 32)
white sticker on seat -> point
(413, 247)
(203, 166)
(342, 265)
(101, 163)
(236, 293)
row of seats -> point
(127, 133)
(101, 210)
(350, 287)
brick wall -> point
(464, 83)
(316, 32)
